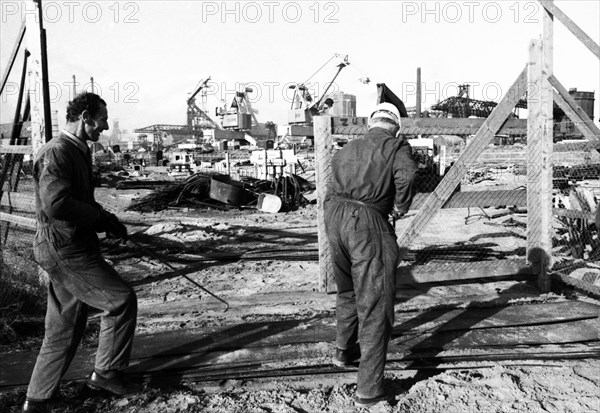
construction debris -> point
(222, 192)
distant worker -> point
(372, 178)
(66, 246)
(327, 107)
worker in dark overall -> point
(372, 179)
(66, 246)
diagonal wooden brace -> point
(482, 139)
(566, 102)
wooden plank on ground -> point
(539, 324)
(493, 317)
(482, 139)
(267, 362)
(567, 332)
(404, 363)
(457, 271)
(429, 126)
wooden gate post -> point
(36, 93)
(323, 154)
(539, 160)
(35, 81)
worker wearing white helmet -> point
(385, 111)
(372, 177)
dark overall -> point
(67, 248)
(370, 176)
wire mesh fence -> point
(484, 224)
(576, 194)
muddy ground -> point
(278, 259)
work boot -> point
(37, 406)
(113, 381)
(367, 402)
(345, 358)
(47, 405)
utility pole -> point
(92, 80)
(74, 87)
(45, 81)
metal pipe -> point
(17, 160)
(16, 130)
(13, 57)
(153, 255)
(45, 80)
(9, 161)
(340, 67)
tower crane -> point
(198, 119)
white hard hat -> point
(386, 110)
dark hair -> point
(84, 101)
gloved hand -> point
(114, 229)
(396, 214)
(110, 224)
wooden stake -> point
(539, 166)
(35, 81)
(324, 153)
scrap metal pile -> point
(218, 191)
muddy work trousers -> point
(365, 254)
(79, 281)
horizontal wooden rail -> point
(15, 219)
(25, 202)
(469, 199)
(17, 149)
(429, 126)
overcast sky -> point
(146, 57)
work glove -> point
(109, 223)
(116, 230)
(396, 214)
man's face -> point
(95, 125)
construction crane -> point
(303, 106)
(240, 115)
(197, 118)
